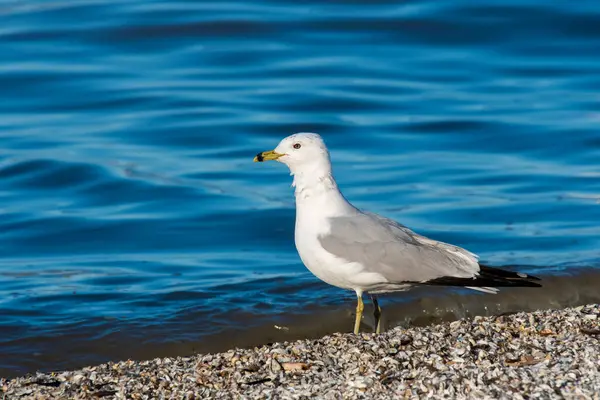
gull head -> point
(301, 152)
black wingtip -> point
(503, 273)
(481, 281)
(489, 277)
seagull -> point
(365, 252)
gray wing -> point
(392, 250)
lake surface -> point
(134, 223)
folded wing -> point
(401, 256)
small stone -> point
(274, 366)
(295, 366)
(77, 379)
(360, 383)
(328, 361)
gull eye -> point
(297, 146)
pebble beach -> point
(543, 354)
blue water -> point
(132, 214)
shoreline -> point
(72, 347)
(549, 353)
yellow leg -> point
(359, 310)
(376, 314)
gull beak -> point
(267, 155)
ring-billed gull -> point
(365, 252)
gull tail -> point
(489, 279)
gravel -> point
(540, 355)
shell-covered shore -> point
(544, 354)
